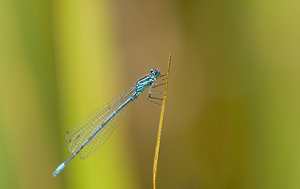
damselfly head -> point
(155, 72)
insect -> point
(89, 134)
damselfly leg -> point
(154, 85)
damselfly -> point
(89, 134)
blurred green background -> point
(232, 116)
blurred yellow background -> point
(232, 116)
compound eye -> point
(154, 71)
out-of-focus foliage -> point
(232, 115)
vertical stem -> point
(160, 126)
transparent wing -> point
(102, 136)
(77, 134)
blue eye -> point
(154, 71)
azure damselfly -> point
(89, 134)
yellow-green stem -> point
(160, 126)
